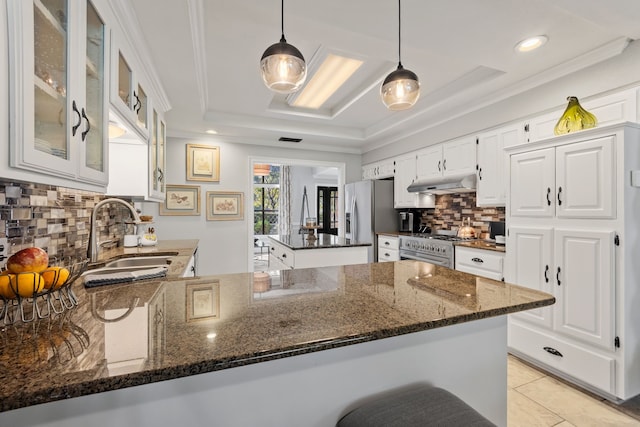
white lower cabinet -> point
(481, 262)
(388, 248)
(579, 245)
(282, 257)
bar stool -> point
(416, 406)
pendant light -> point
(401, 89)
(282, 65)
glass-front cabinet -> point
(157, 157)
(59, 95)
(128, 95)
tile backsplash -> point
(56, 219)
(451, 209)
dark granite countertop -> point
(322, 241)
(182, 327)
(482, 244)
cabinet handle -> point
(75, 127)
(476, 259)
(160, 175)
(284, 255)
(480, 174)
(386, 243)
(138, 104)
(558, 276)
(546, 270)
(553, 351)
(444, 164)
(86, 131)
(387, 255)
(439, 163)
(548, 198)
(559, 192)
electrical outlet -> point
(4, 251)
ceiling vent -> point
(285, 139)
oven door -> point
(417, 256)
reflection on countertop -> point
(160, 330)
(322, 240)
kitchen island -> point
(226, 350)
(321, 250)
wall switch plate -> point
(4, 251)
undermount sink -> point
(140, 261)
(121, 269)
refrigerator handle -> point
(354, 220)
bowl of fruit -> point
(32, 286)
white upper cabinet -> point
(405, 174)
(533, 183)
(379, 170)
(492, 162)
(58, 55)
(157, 157)
(572, 181)
(452, 158)
(128, 94)
(585, 179)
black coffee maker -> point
(408, 222)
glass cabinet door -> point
(51, 78)
(140, 107)
(93, 135)
(153, 153)
(124, 81)
(162, 142)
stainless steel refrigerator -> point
(369, 210)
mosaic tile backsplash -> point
(56, 219)
(451, 209)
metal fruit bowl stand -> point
(43, 303)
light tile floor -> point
(536, 398)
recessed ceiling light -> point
(531, 43)
(334, 71)
(211, 131)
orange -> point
(54, 277)
(27, 284)
(5, 286)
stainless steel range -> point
(434, 248)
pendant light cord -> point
(399, 36)
(282, 39)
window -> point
(327, 203)
(266, 196)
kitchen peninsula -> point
(306, 251)
(302, 359)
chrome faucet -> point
(92, 250)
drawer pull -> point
(476, 259)
(553, 351)
(284, 255)
(546, 270)
(386, 243)
(387, 255)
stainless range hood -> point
(448, 185)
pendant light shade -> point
(282, 65)
(401, 88)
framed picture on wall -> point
(225, 205)
(181, 200)
(203, 300)
(203, 163)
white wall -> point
(618, 72)
(224, 245)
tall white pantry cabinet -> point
(573, 220)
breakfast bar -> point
(235, 350)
